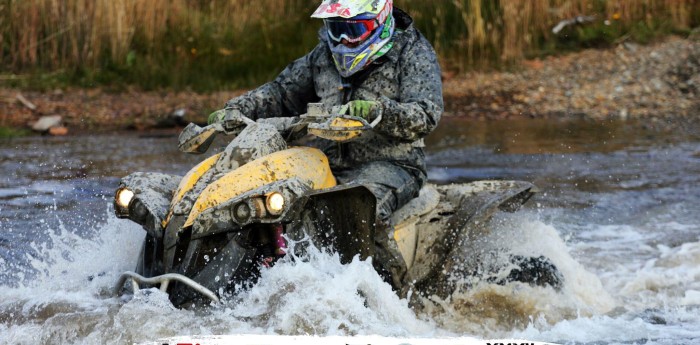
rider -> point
(372, 59)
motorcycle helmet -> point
(359, 31)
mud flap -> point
(342, 220)
(478, 202)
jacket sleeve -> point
(286, 95)
(419, 107)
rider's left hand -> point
(367, 110)
(216, 116)
(230, 119)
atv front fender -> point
(154, 191)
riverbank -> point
(657, 83)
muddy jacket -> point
(406, 81)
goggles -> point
(352, 30)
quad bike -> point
(210, 232)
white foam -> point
(666, 281)
(319, 296)
(315, 296)
(592, 329)
(488, 308)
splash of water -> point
(68, 300)
(490, 309)
(319, 295)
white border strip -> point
(332, 340)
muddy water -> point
(617, 212)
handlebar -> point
(317, 121)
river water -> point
(617, 212)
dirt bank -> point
(659, 83)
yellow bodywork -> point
(342, 123)
(406, 238)
(188, 182)
(192, 177)
(307, 163)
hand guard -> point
(230, 119)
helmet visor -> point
(351, 30)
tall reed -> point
(210, 44)
(494, 33)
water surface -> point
(617, 212)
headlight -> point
(121, 202)
(123, 197)
(275, 203)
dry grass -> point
(66, 32)
(52, 35)
(505, 31)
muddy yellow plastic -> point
(188, 182)
(405, 236)
(304, 162)
(338, 129)
(404, 230)
(339, 122)
(335, 135)
(399, 231)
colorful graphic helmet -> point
(359, 31)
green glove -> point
(364, 109)
(230, 119)
(216, 116)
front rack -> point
(163, 281)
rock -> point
(176, 118)
(58, 131)
(179, 112)
(25, 102)
(624, 113)
(631, 46)
(46, 122)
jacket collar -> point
(403, 34)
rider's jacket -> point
(406, 81)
